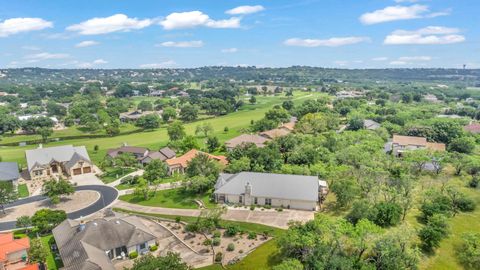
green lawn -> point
(47, 241)
(112, 174)
(23, 191)
(164, 180)
(171, 198)
(154, 139)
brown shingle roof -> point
(183, 160)
(275, 133)
(409, 140)
(258, 140)
(126, 149)
(436, 146)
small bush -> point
(474, 182)
(231, 247)
(218, 257)
(240, 251)
(191, 227)
(231, 230)
(178, 219)
(217, 234)
(216, 241)
(252, 235)
(153, 248)
(279, 209)
(466, 204)
(252, 207)
(133, 255)
(207, 242)
(268, 207)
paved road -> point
(107, 196)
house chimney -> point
(248, 189)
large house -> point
(401, 144)
(135, 115)
(9, 173)
(276, 190)
(143, 155)
(67, 160)
(258, 140)
(180, 164)
(95, 244)
(13, 252)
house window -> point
(143, 246)
(38, 173)
(240, 199)
(268, 201)
(255, 200)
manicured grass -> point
(23, 191)
(235, 121)
(171, 198)
(264, 257)
(112, 174)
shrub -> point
(252, 207)
(178, 219)
(231, 230)
(133, 255)
(218, 257)
(268, 207)
(465, 204)
(240, 251)
(279, 209)
(153, 248)
(191, 227)
(474, 182)
(432, 233)
(216, 241)
(216, 234)
(386, 214)
(469, 251)
(231, 247)
(252, 235)
(207, 242)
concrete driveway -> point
(86, 179)
(268, 217)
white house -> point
(276, 190)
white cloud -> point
(382, 58)
(410, 60)
(242, 10)
(332, 42)
(229, 50)
(396, 13)
(166, 64)
(20, 25)
(341, 63)
(100, 62)
(191, 19)
(89, 64)
(32, 58)
(86, 43)
(425, 36)
(114, 23)
(183, 44)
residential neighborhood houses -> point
(143, 155)
(400, 144)
(13, 253)
(180, 164)
(9, 172)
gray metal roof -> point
(43, 156)
(270, 185)
(85, 249)
(9, 171)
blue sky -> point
(277, 33)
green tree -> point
(212, 143)
(463, 144)
(469, 251)
(252, 100)
(142, 189)
(289, 264)
(45, 132)
(37, 253)
(238, 165)
(24, 222)
(346, 190)
(205, 129)
(169, 113)
(8, 194)
(54, 189)
(176, 131)
(145, 105)
(45, 219)
(386, 214)
(433, 232)
(155, 170)
(355, 123)
(204, 166)
(170, 261)
(149, 122)
(188, 113)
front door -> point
(54, 168)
